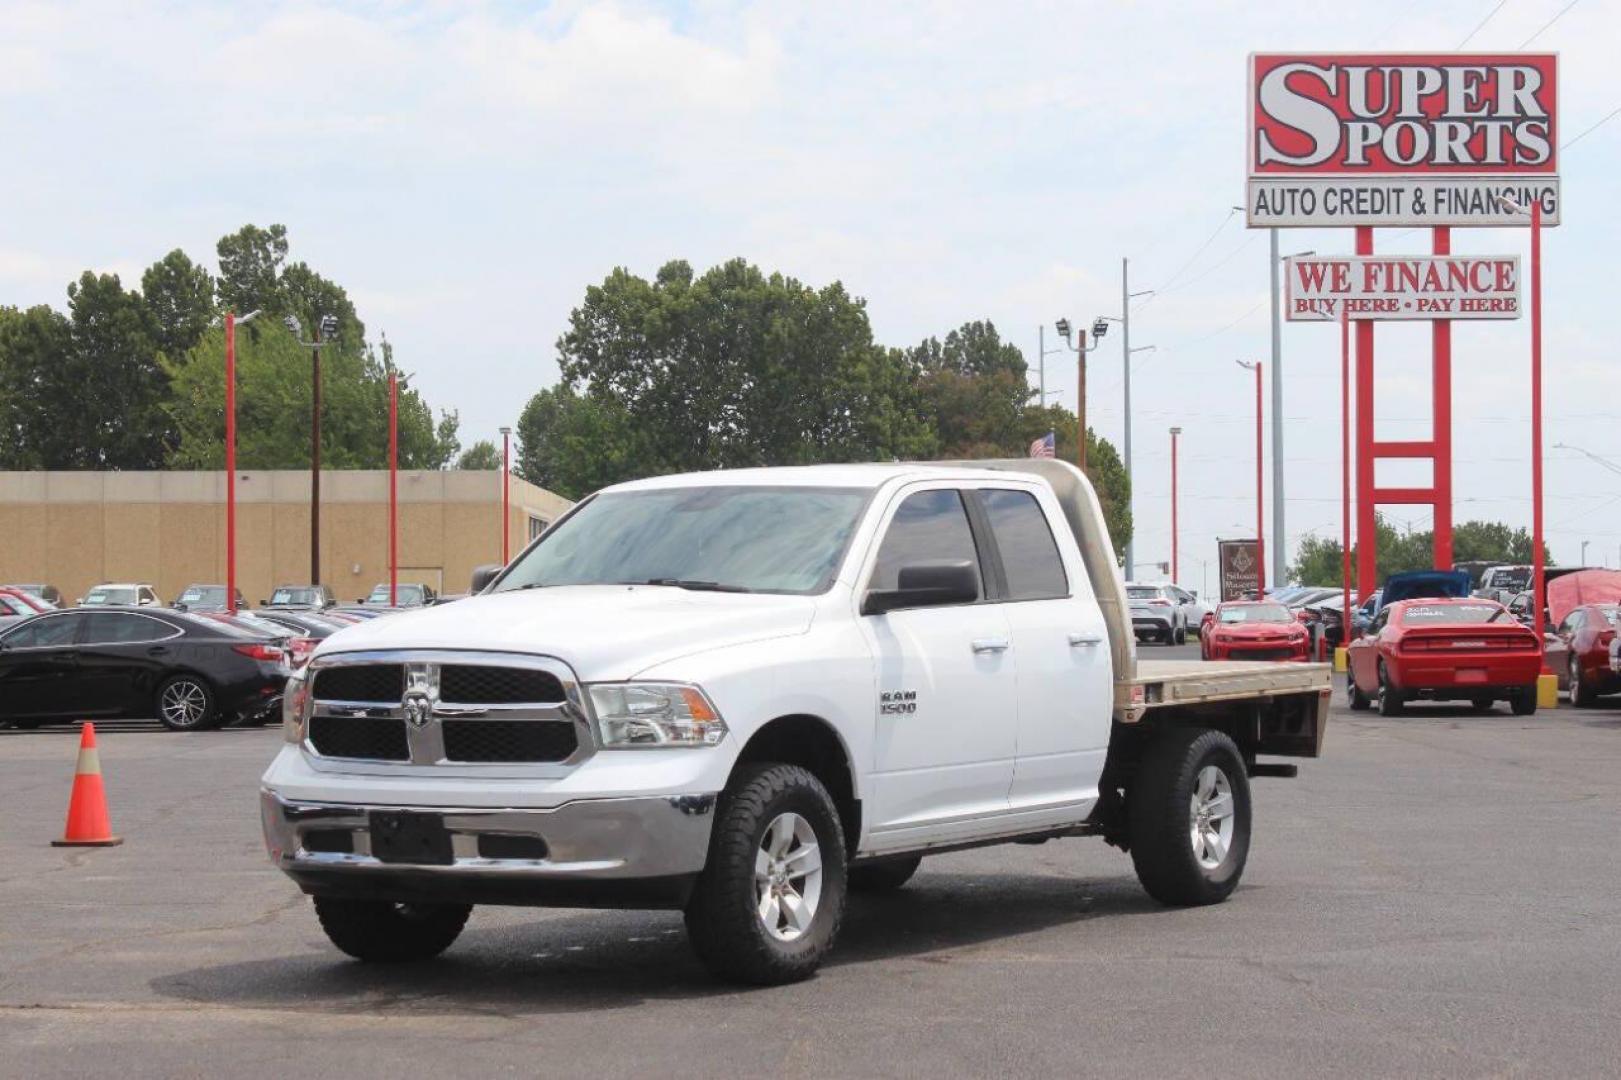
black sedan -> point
(192, 672)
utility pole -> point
(1280, 545)
(1125, 363)
(315, 459)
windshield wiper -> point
(694, 586)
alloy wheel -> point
(184, 703)
(788, 876)
(1210, 817)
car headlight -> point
(654, 715)
(295, 699)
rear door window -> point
(1030, 559)
(113, 628)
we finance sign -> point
(1402, 287)
(1342, 139)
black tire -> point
(1524, 700)
(1582, 694)
(885, 876)
(194, 688)
(723, 917)
(385, 932)
(1359, 701)
(1159, 818)
(1482, 704)
(1181, 635)
(1390, 699)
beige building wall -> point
(78, 529)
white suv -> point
(1163, 611)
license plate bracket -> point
(409, 837)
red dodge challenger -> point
(1253, 630)
(1580, 654)
(1445, 650)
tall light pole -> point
(1176, 561)
(1126, 297)
(506, 494)
(1100, 327)
(327, 324)
(393, 488)
(231, 322)
(1260, 517)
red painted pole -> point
(1367, 533)
(1538, 596)
(393, 490)
(230, 461)
(506, 495)
(1441, 424)
(1260, 536)
(1176, 561)
(1345, 475)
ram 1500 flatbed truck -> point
(744, 694)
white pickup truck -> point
(744, 694)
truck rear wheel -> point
(1189, 816)
(885, 876)
(386, 932)
(769, 902)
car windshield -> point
(295, 596)
(102, 595)
(1424, 614)
(203, 594)
(407, 594)
(745, 539)
(1256, 613)
(1142, 592)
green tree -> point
(972, 391)
(34, 349)
(273, 408)
(482, 456)
(737, 368)
(573, 444)
(250, 269)
(1318, 561)
(180, 296)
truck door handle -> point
(1085, 640)
(991, 644)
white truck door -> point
(944, 738)
(1065, 682)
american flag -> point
(1043, 447)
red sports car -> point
(1581, 654)
(1445, 650)
(1253, 630)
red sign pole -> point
(1367, 535)
(230, 462)
(1539, 596)
(1176, 562)
(506, 495)
(393, 490)
(1260, 534)
(1441, 423)
(1345, 475)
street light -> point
(1080, 349)
(231, 322)
(328, 325)
(506, 494)
(1260, 540)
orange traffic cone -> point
(88, 825)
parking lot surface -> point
(1439, 895)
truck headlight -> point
(654, 715)
(295, 699)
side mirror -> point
(1209, 617)
(483, 575)
(930, 584)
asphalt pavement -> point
(1438, 895)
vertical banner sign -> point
(1409, 139)
(1240, 568)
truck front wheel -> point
(386, 932)
(1189, 815)
(768, 904)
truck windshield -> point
(739, 539)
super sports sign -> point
(1401, 139)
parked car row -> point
(205, 597)
(1163, 612)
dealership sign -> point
(1402, 287)
(1339, 139)
(1240, 569)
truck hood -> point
(603, 632)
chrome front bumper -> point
(622, 852)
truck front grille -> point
(369, 738)
(361, 682)
(509, 740)
(477, 684)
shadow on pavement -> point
(611, 959)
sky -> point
(466, 170)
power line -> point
(1200, 250)
(1549, 23)
(1483, 23)
(1611, 115)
